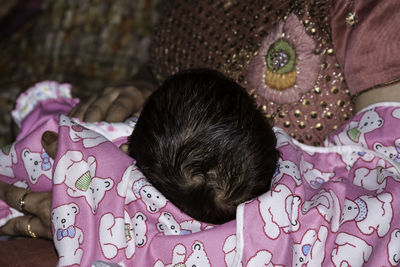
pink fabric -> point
(328, 205)
(368, 51)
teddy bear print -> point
(37, 164)
(261, 258)
(111, 241)
(312, 175)
(311, 250)
(370, 213)
(198, 257)
(350, 250)
(67, 237)
(80, 178)
(8, 157)
(394, 247)
(149, 195)
(389, 151)
(289, 168)
(354, 132)
(134, 186)
(279, 209)
(168, 225)
(78, 133)
(375, 179)
(125, 186)
(350, 157)
(230, 251)
(328, 206)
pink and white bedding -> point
(336, 205)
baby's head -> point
(201, 141)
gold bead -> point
(323, 104)
(317, 90)
(313, 114)
(330, 51)
(306, 22)
(317, 51)
(255, 96)
(297, 113)
(329, 115)
(302, 125)
(328, 78)
(324, 65)
(313, 31)
(281, 114)
(346, 116)
(306, 102)
(308, 137)
(334, 90)
(317, 143)
(319, 126)
(286, 124)
(292, 135)
(268, 116)
(340, 103)
(334, 127)
(264, 108)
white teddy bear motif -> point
(354, 133)
(8, 157)
(327, 205)
(168, 225)
(370, 213)
(262, 258)
(80, 178)
(111, 238)
(37, 164)
(350, 251)
(375, 179)
(311, 250)
(78, 133)
(197, 258)
(289, 168)
(134, 186)
(230, 251)
(394, 247)
(314, 176)
(279, 209)
(67, 237)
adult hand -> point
(115, 104)
(37, 205)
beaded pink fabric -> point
(234, 37)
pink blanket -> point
(336, 205)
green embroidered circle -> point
(281, 57)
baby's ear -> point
(125, 148)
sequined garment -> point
(280, 51)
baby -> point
(201, 141)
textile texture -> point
(328, 206)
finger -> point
(39, 204)
(36, 203)
(129, 101)
(97, 110)
(19, 227)
(49, 143)
(79, 110)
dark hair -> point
(202, 142)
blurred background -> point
(91, 44)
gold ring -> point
(21, 201)
(28, 228)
